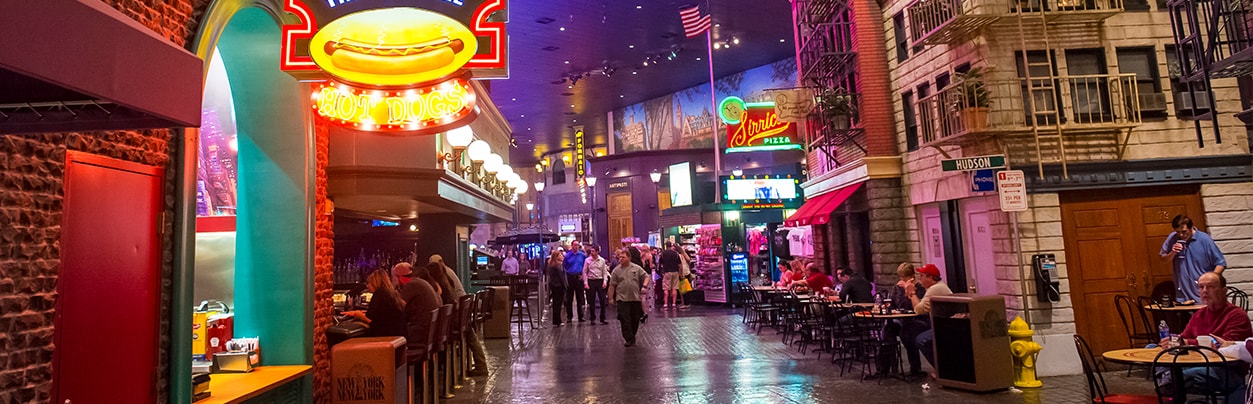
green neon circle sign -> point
(731, 109)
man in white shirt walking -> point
(595, 281)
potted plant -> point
(973, 99)
(838, 108)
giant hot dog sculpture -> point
(362, 57)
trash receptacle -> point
(498, 326)
(370, 371)
(971, 342)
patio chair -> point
(1098, 392)
(1238, 297)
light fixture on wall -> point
(458, 139)
(477, 151)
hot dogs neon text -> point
(424, 109)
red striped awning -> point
(818, 210)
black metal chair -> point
(1098, 392)
(1238, 297)
(1178, 388)
(1137, 327)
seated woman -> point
(386, 314)
(795, 269)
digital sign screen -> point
(481, 260)
(760, 188)
(681, 184)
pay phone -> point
(1047, 284)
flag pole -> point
(713, 108)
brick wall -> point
(873, 80)
(1039, 232)
(31, 185)
(323, 276)
(31, 190)
(891, 231)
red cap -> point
(930, 269)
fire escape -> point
(1212, 41)
(1033, 107)
(834, 135)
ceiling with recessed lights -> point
(573, 61)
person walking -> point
(574, 280)
(510, 265)
(557, 283)
(626, 285)
(670, 264)
(595, 280)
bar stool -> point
(439, 351)
(461, 357)
(419, 357)
(519, 301)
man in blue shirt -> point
(1192, 253)
(573, 264)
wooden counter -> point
(227, 388)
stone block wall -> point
(1229, 220)
(31, 189)
(892, 232)
(1039, 232)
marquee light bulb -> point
(478, 150)
(492, 163)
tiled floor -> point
(705, 355)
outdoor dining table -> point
(1146, 356)
(876, 314)
(1177, 316)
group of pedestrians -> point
(582, 276)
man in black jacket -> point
(854, 288)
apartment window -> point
(1137, 5)
(902, 38)
(559, 171)
(1037, 90)
(911, 121)
(1187, 105)
(1089, 91)
(1143, 62)
(942, 80)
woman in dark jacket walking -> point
(557, 284)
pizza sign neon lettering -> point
(759, 126)
(414, 111)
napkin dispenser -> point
(236, 362)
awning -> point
(818, 210)
(69, 65)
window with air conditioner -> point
(1143, 62)
(1191, 99)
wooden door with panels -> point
(1112, 247)
(620, 222)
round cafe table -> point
(875, 314)
(1175, 309)
(1145, 356)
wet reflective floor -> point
(706, 355)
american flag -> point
(694, 21)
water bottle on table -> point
(1163, 332)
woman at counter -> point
(386, 314)
(439, 278)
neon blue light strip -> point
(760, 104)
(765, 148)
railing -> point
(812, 12)
(1087, 103)
(1223, 31)
(835, 137)
(945, 21)
(827, 50)
(940, 21)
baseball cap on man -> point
(402, 269)
(436, 258)
(930, 269)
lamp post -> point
(591, 218)
(655, 176)
(459, 139)
(539, 201)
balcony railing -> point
(1222, 33)
(827, 51)
(948, 21)
(1087, 103)
(835, 136)
(813, 12)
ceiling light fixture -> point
(635, 72)
(567, 62)
(563, 28)
(631, 46)
(638, 7)
(782, 40)
(735, 41)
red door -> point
(109, 286)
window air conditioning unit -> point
(1183, 100)
(1153, 102)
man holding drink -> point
(1192, 253)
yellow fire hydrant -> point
(1025, 352)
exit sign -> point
(973, 163)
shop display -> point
(758, 255)
(709, 268)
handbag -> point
(685, 286)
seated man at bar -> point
(1221, 320)
(929, 277)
